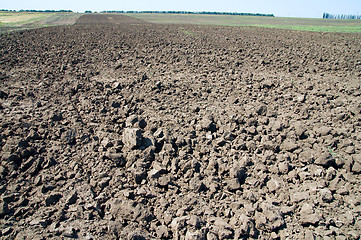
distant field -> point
(24, 20)
(17, 19)
(302, 24)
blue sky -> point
(282, 8)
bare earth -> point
(129, 130)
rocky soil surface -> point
(139, 131)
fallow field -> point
(118, 128)
(301, 24)
(10, 21)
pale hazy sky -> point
(281, 8)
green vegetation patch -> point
(310, 28)
(188, 33)
(16, 19)
(10, 20)
(299, 24)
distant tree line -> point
(341, 16)
(190, 12)
(167, 12)
(5, 10)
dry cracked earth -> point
(129, 130)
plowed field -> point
(131, 130)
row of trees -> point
(189, 12)
(168, 12)
(340, 16)
(5, 10)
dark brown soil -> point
(142, 131)
(107, 19)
